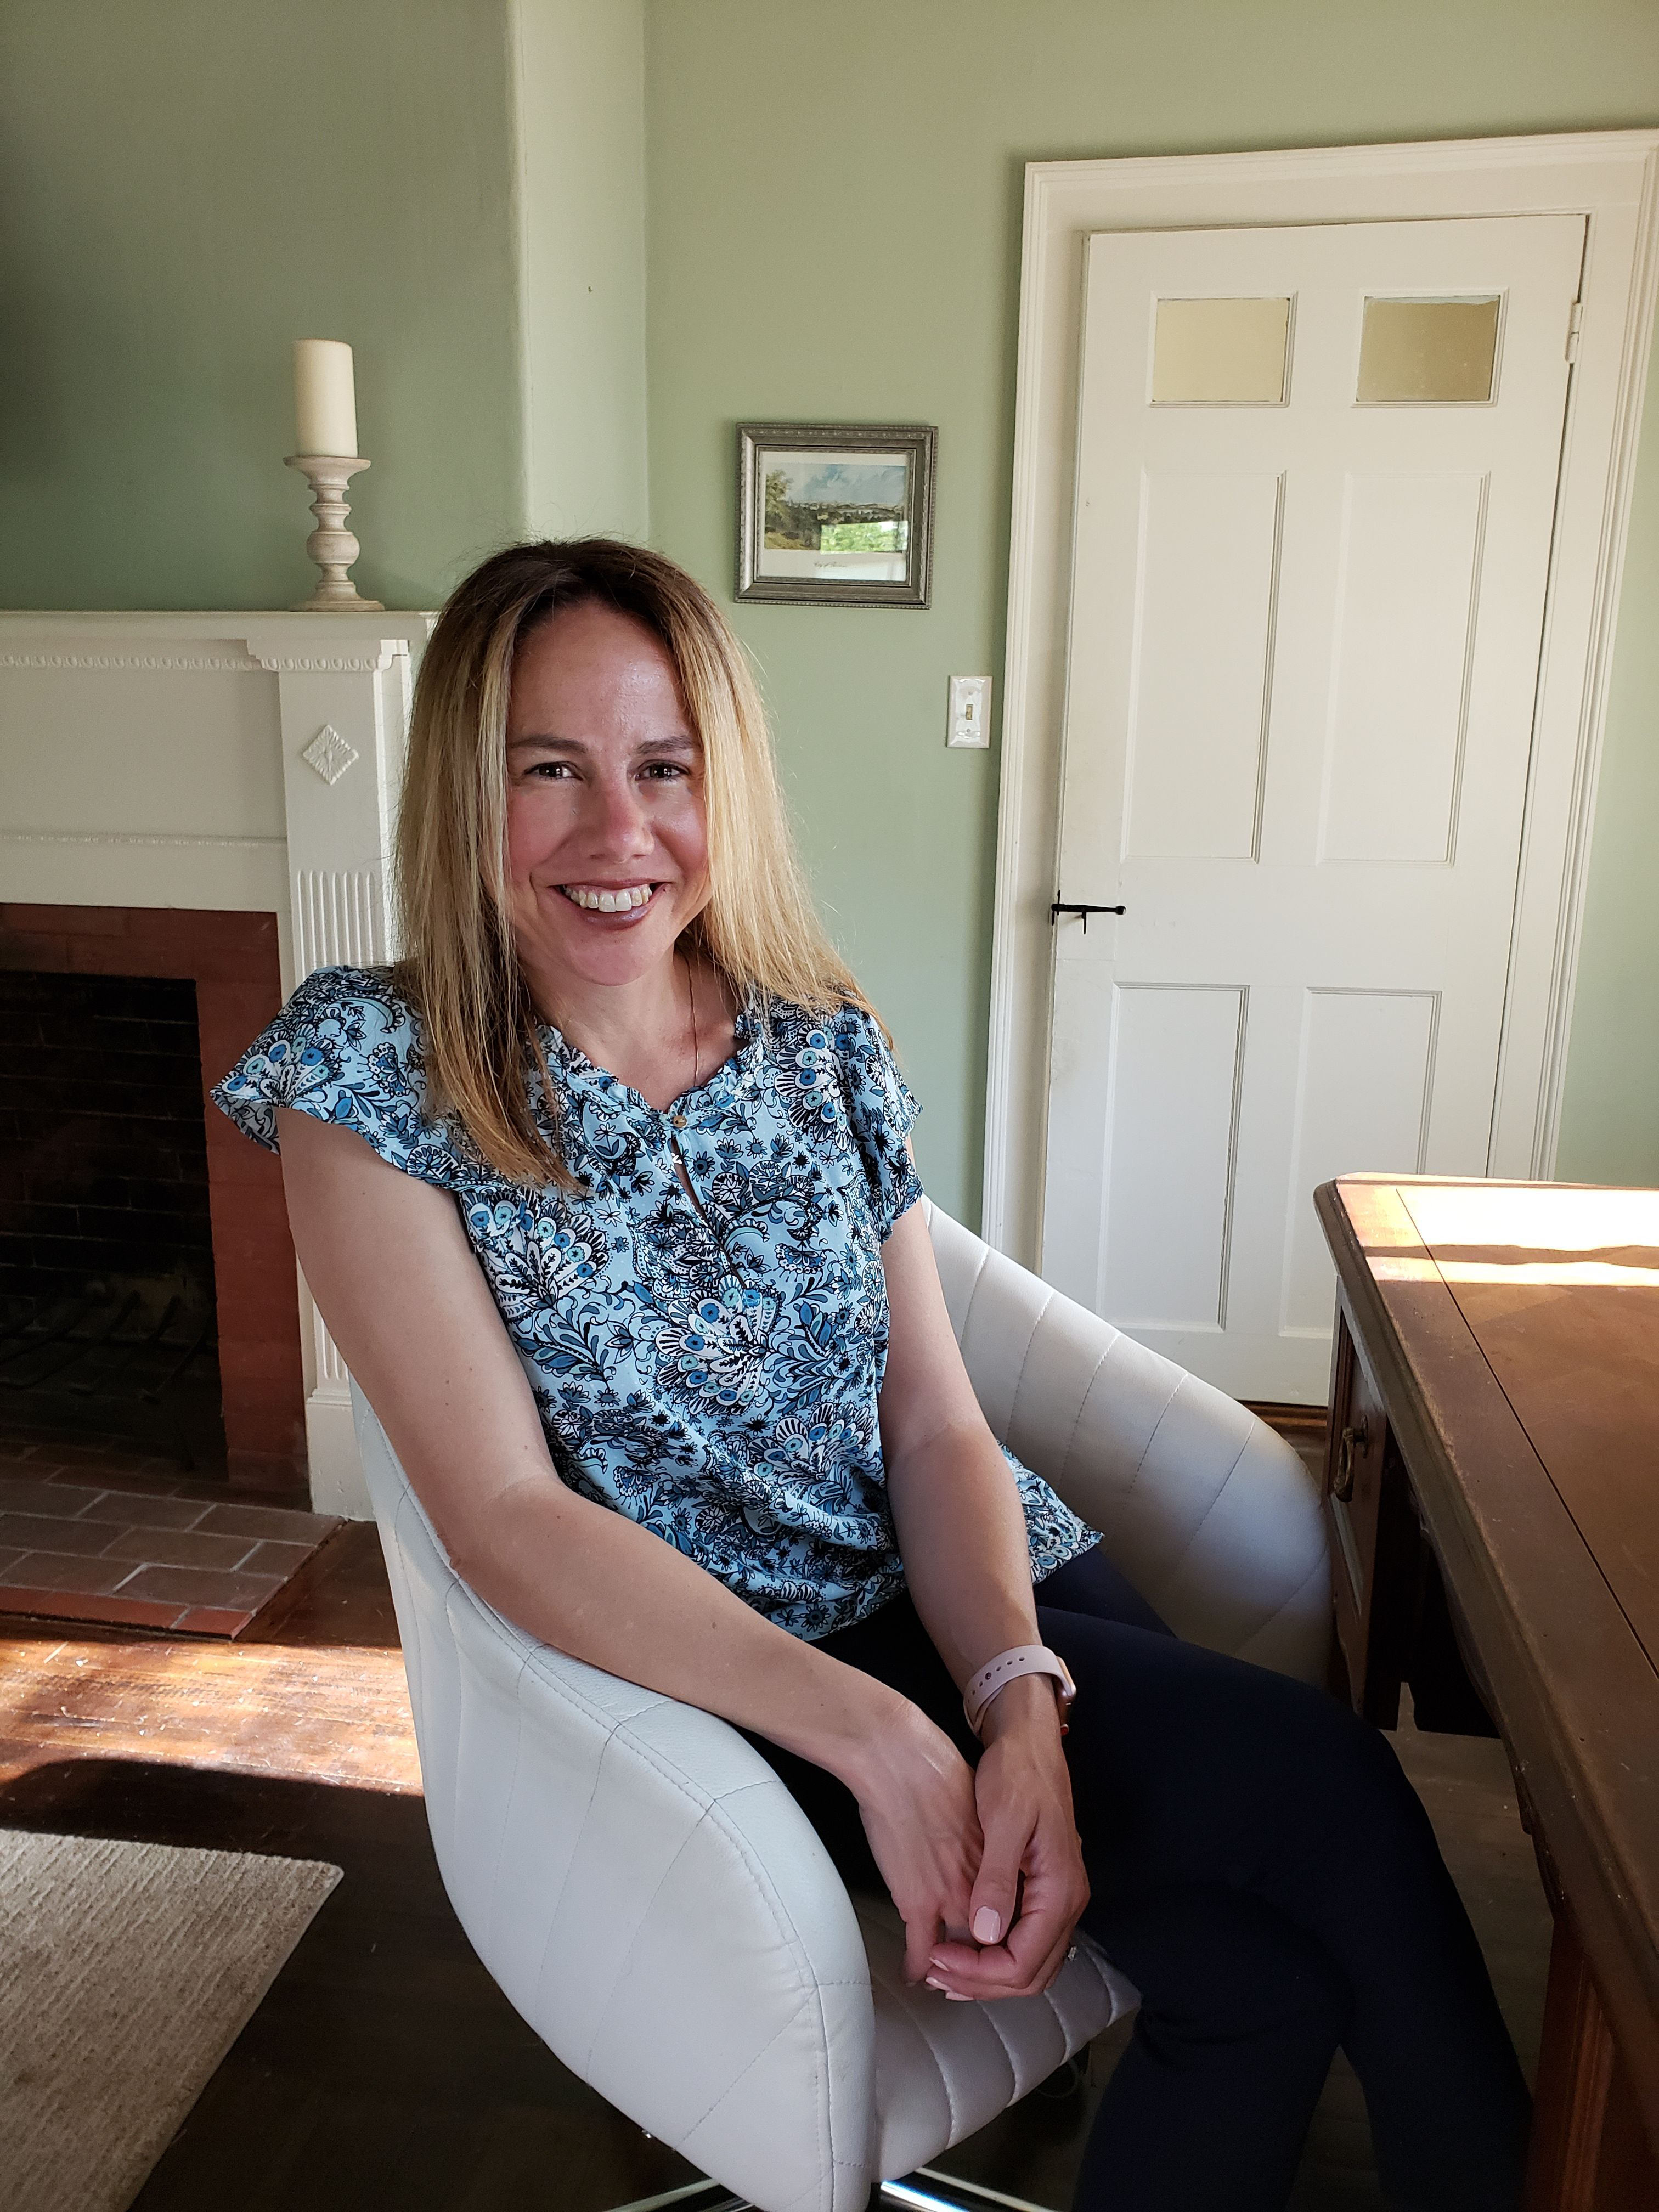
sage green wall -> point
(186, 186)
(834, 199)
(580, 136)
(833, 190)
(1610, 1113)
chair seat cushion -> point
(943, 2068)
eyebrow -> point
(538, 741)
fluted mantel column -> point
(343, 684)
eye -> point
(665, 771)
(547, 770)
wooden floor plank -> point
(338, 1714)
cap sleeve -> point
(880, 1113)
(343, 1050)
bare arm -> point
(957, 1514)
(962, 1533)
(388, 1263)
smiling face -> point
(607, 837)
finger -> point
(1029, 1960)
(1040, 1938)
(1042, 1974)
(922, 1939)
(991, 1975)
(961, 1970)
(995, 1899)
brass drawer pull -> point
(1353, 1442)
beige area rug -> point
(126, 1973)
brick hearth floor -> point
(95, 1533)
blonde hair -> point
(459, 970)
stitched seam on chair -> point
(577, 1841)
(823, 2092)
(898, 1991)
(1082, 1408)
(506, 1636)
(1146, 1451)
(541, 1661)
(1315, 1574)
(422, 1662)
(712, 1811)
(1221, 1492)
(989, 2011)
(821, 2187)
(512, 1785)
(552, 1679)
(858, 2165)
(1025, 1360)
(623, 1963)
(396, 1538)
(973, 1288)
(738, 2080)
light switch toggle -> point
(971, 711)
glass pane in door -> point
(1220, 353)
(1428, 352)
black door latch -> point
(1064, 906)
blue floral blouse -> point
(710, 1368)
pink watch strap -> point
(997, 1673)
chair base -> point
(927, 2189)
(695, 2195)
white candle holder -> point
(330, 544)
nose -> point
(617, 824)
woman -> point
(605, 1195)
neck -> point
(641, 1032)
(603, 1018)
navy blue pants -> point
(1267, 1878)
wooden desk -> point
(1492, 1486)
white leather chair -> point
(651, 1900)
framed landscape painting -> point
(835, 514)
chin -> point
(599, 951)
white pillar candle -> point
(324, 399)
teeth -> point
(623, 902)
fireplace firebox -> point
(148, 1288)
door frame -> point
(1610, 176)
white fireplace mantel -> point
(222, 761)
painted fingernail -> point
(987, 1925)
(933, 1983)
(955, 1997)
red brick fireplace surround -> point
(232, 959)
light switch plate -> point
(970, 720)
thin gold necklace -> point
(697, 1047)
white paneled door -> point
(1317, 480)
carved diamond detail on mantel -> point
(329, 754)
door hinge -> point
(1575, 324)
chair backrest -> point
(1212, 1517)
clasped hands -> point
(982, 1862)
